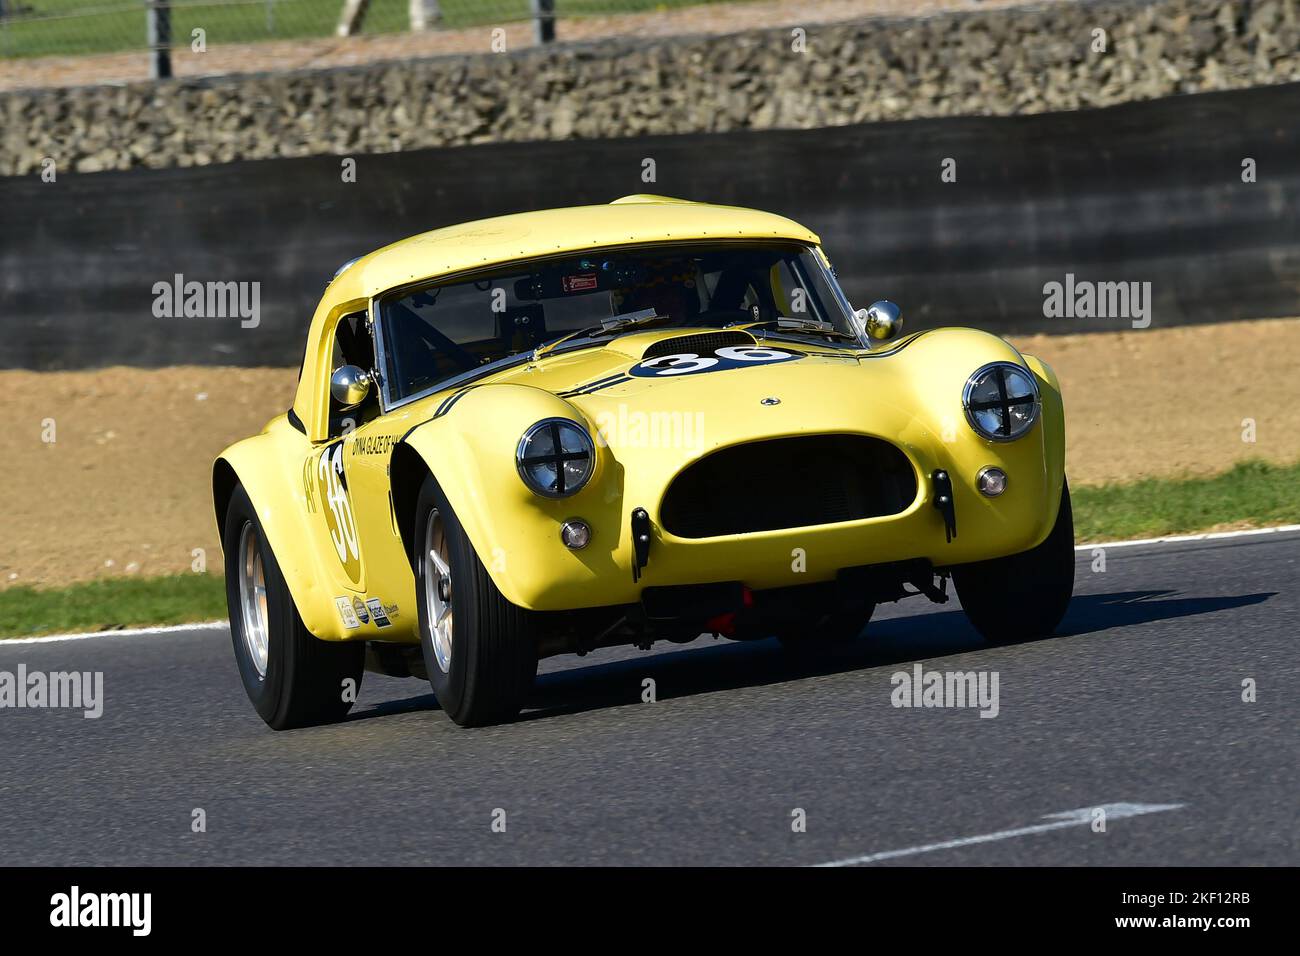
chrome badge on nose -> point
(770, 401)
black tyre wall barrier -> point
(1148, 192)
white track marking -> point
(124, 632)
(1066, 818)
(1176, 539)
(180, 628)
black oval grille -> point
(702, 343)
(788, 483)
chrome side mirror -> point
(349, 385)
(882, 321)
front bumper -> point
(607, 572)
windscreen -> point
(449, 331)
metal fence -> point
(32, 28)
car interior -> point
(353, 345)
(437, 333)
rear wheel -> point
(1022, 596)
(293, 678)
(479, 649)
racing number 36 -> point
(727, 357)
(339, 518)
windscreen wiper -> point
(787, 324)
(615, 323)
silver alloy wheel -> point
(252, 599)
(437, 590)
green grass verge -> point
(66, 27)
(1252, 492)
(111, 604)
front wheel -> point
(293, 678)
(1022, 596)
(479, 649)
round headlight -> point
(1001, 401)
(556, 458)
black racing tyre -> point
(479, 649)
(1022, 596)
(293, 678)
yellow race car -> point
(575, 428)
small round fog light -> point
(575, 533)
(991, 482)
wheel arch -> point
(470, 453)
(407, 471)
(931, 372)
(1052, 421)
(278, 497)
(224, 482)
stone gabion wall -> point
(1002, 61)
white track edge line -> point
(1180, 538)
(204, 625)
(124, 632)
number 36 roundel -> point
(730, 356)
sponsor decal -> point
(727, 357)
(359, 609)
(583, 282)
(373, 444)
(376, 607)
(332, 481)
(349, 616)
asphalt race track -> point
(1138, 701)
